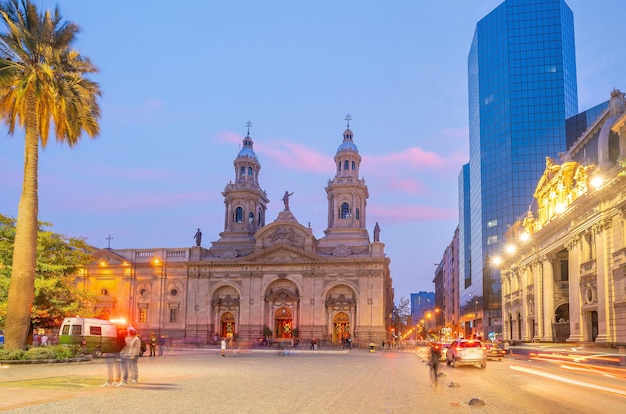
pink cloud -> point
(414, 157)
(227, 136)
(405, 185)
(298, 157)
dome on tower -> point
(347, 144)
(247, 150)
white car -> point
(466, 352)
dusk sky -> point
(181, 79)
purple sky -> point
(179, 85)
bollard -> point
(372, 347)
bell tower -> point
(347, 197)
(244, 200)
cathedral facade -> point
(259, 280)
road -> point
(355, 381)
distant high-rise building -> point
(522, 88)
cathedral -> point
(259, 281)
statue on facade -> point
(376, 232)
(198, 238)
(286, 199)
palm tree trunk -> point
(22, 285)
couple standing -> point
(119, 365)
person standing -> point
(130, 355)
(153, 344)
(223, 346)
(114, 362)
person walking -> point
(223, 346)
(130, 355)
(153, 343)
(435, 357)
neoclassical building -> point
(258, 276)
(566, 281)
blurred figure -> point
(130, 355)
(153, 343)
(223, 346)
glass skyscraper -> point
(522, 87)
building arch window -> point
(239, 215)
(260, 216)
(249, 171)
(339, 165)
(345, 211)
(358, 215)
(243, 170)
(251, 218)
(353, 165)
(346, 165)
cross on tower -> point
(109, 238)
(248, 124)
(348, 118)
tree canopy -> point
(59, 260)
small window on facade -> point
(251, 218)
(353, 165)
(243, 170)
(173, 315)
(249, 171)
(143, 315)
(492, 223)
(260, 220)
(345, 210)
(174, 292)
(339, 166)
(346, 165)
(492, 239)
(239, 215)
(105, 292)
(143, 292)
(357, 214)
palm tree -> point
(42, 86)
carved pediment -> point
(109, 258)
(281, 253)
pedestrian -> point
(36, 339)
(44, 339)
(223, 346)
(153, 343)
(161, 345)
(130, 355)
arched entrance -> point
(341, 327)
(227, 322)
(283, 323)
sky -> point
(180, 83)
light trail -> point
(568, 380)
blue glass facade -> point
(522, 87)
(464, 227)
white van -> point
(96, 336)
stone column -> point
(603, 279)
(548, 298)
(575, 310)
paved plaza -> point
(269, 381)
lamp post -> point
(475, 317)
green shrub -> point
(4, 355)
(39, 353)
(66, 351)
(16, 355)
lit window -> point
(492, 223)
(143, 315)
(492, 239)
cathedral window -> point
(173, 315)
(357, 214)
(239, 215)
(339, 165)
(346, 165)
(243, 170)
(345, 210)
(260, 215)
(249, 171)
(353, 165)
(251, 218)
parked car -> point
(466, 352)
